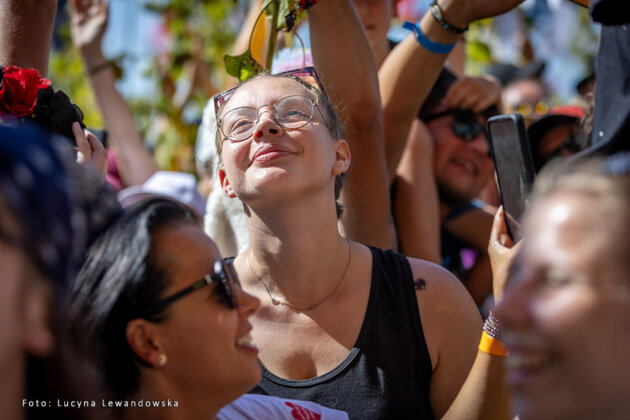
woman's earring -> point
(162, 360)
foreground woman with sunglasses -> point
(161, 318)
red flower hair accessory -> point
(25, 97)
(18, 90)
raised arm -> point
(88, 24)
(416, 204)
(411, 67)
(342, 54)
(26, 28)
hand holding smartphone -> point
(514, 166)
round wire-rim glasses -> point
(291, 112)
(307, 75)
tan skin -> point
(20, 45)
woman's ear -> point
(225, 183)
(144, 341)
(37, 335)
(342, 157)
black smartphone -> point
(509, 146)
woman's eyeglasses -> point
(465, 124)
(223, 274)
(290, 112)
(305, 75)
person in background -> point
(135, 165)
(524, 91)
(567, 294)
(451, 139)
(557, 134)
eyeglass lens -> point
(290, 112)
(225, 273)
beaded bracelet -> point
(432, 46)
(436, 12)
(490, 337)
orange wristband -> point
(492, 345)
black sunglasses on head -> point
(223, 274)
(465, 124)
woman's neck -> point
(297, 254)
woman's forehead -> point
(265, 91)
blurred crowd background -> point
(168, 56)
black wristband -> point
(436, 12)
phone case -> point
(525, 174)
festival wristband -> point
(492, 345)
(426, 43)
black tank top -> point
(388, 371)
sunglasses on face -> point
(305, 75)
(222, 273)
(531, 110)
(465, 124)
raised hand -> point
(502, 252)
(88, 21)
(474, 93)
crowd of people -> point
(350, 247)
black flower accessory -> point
(55, 111)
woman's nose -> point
(267, 125)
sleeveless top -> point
(388, 371)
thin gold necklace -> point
(277, 302)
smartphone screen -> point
(510, 150)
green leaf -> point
(243, 66)
(285, 7)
